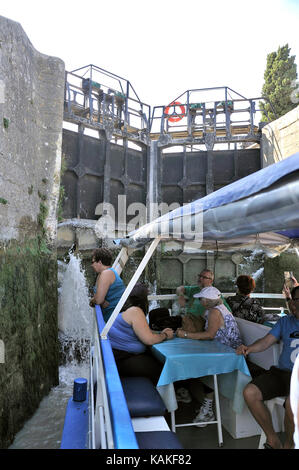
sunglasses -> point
(204, 277)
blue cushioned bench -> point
(142, 397)
(144, 400)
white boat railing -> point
(259, 295)
(100, 432)
(110, 424)
(225, 294)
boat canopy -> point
(261, 209)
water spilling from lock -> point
(44, 429)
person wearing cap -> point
(186, 297)
(220, 325)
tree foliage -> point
(280, 82)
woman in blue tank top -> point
(130, 337)
(109, 286)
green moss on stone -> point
(28, 327)
(43, 212)
(42, 196)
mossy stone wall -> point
(32, 91)
(29, 331)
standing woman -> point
(109, 286)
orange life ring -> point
(174, 117)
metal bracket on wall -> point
(209, 139)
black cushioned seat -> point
(158, 440)
(142, 397)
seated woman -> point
(242, 305)
(221, 326)
(109, 286)
(130, 337)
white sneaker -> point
(183, 395)
(205, 414)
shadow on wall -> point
(270, 147)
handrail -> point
(115, 106)
(120, 433)
(260, 295)
(100, 423)
(141, 110)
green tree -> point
(280, 79)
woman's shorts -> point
(273, 383)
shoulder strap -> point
(115, 274)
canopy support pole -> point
(121, 260)
(130, 286)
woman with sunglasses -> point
(109, 286)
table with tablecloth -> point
(186, 358)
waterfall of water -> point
(44, 429)
(74, 313)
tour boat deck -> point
(206, 438)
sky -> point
(164, 47)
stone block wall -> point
(31, 114)
(280, 138)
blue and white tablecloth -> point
(185, 358)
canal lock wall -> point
(31, 113)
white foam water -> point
(74, 313)
(44, 429)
